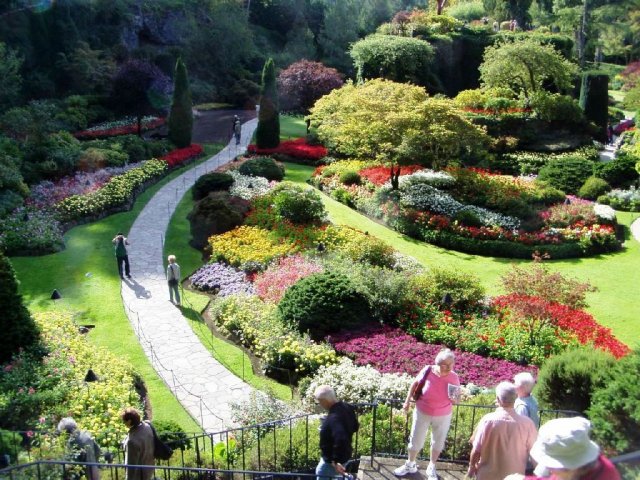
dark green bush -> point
(620, 172)
(262, 167)
(594, 100)
(216, 213)
(296, 203)
(567, 174)
(568, 380)
(211, 182)
(323, 303)
(468, 218)
(343, 196)
(593, 187)
(553, 107)
(615, 407)
(172, 434)
(19, 329)
(350, 177)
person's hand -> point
(472, 471)
(339, 468)
(406, 405)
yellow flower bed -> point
(357, 245)
(248, 247)
(96, 405)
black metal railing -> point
(289, 444)
(628, 465)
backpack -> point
(161, 451)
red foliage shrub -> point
(297, 148)
(304, 82)
(379, 175)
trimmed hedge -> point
(262, 167)
(211, 182)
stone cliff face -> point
(157, 27)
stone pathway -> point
(201, 384)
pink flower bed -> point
(181, 155)
(298, 148)
(390, 350)
(271, 284)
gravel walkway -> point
(201, 384)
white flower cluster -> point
(425, 197)
(631, 195)
(406, 263)
(355, 384)
(247, 186)
(604, 212)
(428, 177)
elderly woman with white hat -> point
(564, 451)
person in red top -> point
(433, 409)
(566, 452)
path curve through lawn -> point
(201, 384)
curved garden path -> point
(201, 384)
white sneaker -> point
(431, 472)
(406, 469)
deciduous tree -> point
(304, 82)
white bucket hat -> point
(565, 443)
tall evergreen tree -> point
(181, 114)
(18, 328)
(268, 131)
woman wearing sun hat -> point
(565, 450)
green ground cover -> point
(85, 274)
(190, 259)
(613, 305)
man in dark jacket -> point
(336, 433)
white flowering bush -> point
(428, 177)
(628, 200)
(260, 407)
(355, 384)
(425, 197)
(247, 186)
(604, 212)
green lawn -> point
(616, 275)
(229, 355)
(85, 274)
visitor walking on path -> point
(237, 129)
(173, 279)
(122, 255)
(138, 445)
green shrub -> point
(468, 218)
(96, 158)
(323, 303)
(262, 167)
(297, 204)
(567, 381)
(500, 104)
(19, 329)
(350, 177)
(172, 434)
(567, 174)
(620, 172)
(594, 100)
(211, 182)
(216, 213)
(465, 290)
(553, 107)
(343, 196)
(615, 407)
(467, 11)
(593, 187)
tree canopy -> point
(394, 122)
(526, 66)
(304, 82)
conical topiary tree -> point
(17, 327)
(181, 115)
(268, 131)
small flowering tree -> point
(304, 82)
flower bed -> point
(219, 278)
(390, 350)
(117, 192)
(298, 148)
(271, 284)
(120, 127)
(381, 175)
(182, 155)
(30, 231)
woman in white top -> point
(173, 279)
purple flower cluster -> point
(390, 350)
(217, 276)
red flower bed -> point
(380, 175)
(120, 130)
(297, 148)
(181, 155)
(582, 324)
(390, 350)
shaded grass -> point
(85, 274)
(292, 127)
(616, 275)
(190, 259)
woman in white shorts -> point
(433, 409)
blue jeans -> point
(174, 290)
(325, 471)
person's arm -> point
(409, 399)
(474, 460)
(341, 442)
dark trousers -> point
(120, 260)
